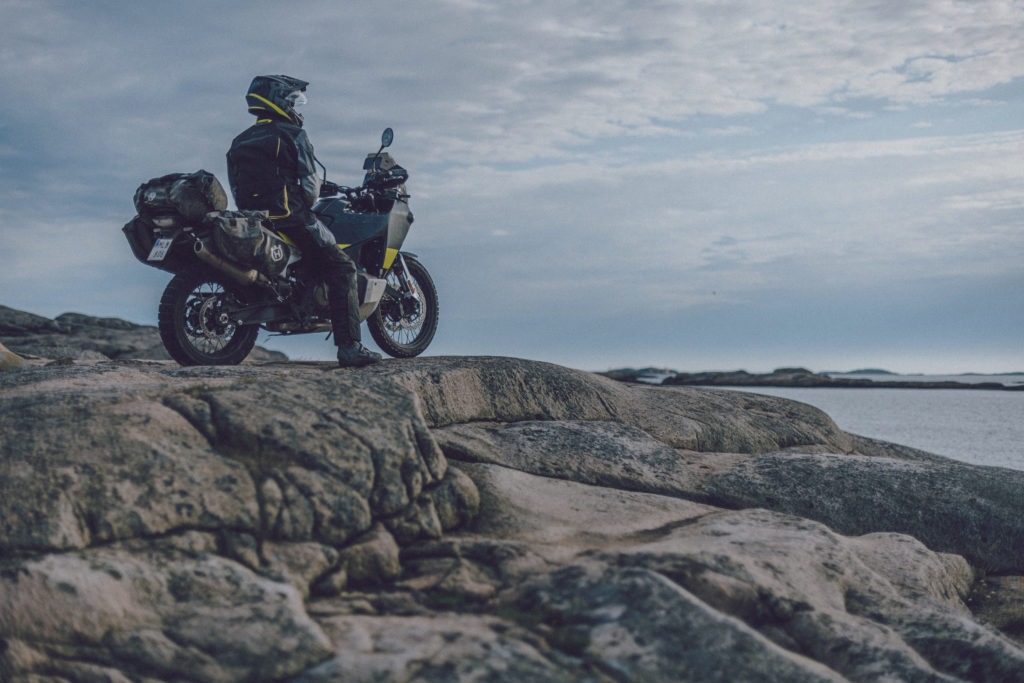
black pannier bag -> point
(241, 237)
(141, 235)
(190, 196)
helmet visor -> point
(297, 98)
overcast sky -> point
(698, 184)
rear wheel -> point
(404, 323)
(195, 324)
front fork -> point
(405, 280)
(407, 298)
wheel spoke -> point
(205, 331)
(196, 324)
(403, 327)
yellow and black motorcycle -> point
(234, 275)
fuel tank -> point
(351, 228)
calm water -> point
(974, 425)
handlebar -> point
(376, 181)
(329, 189)
(383, 180)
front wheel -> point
(405, 321)
(195, 322)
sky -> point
(695, 185)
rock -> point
(112, 468)
(14, 323)
(951, 506)
(638, 625)
(372, 560)
(856, 602)
(467, 519)
(456, 500)
(443, 649)
(175, 449)
(504, 390)
(300, 564)
(593, 452)
(10, 360)
(560, 519)
(999, 601)
(87, 338)
(160, 614)
(817, 592)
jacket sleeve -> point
(309, 179)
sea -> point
(979, 426)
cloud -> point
(569, 160)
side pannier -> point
(180, 199)
(241, 237)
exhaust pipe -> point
(242, 277)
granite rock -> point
(465, 519)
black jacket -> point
(271, 167)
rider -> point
(271, 168)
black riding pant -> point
(323, 257)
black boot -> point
(355, 355)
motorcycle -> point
(235, 275)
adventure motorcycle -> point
(233, 274)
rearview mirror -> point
(386, 138)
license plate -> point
(160, 249)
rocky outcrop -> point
(447, 519)
(81, 337)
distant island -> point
(793, 377)
(863, 371)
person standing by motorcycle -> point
(271, 167)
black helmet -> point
(274, 96)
